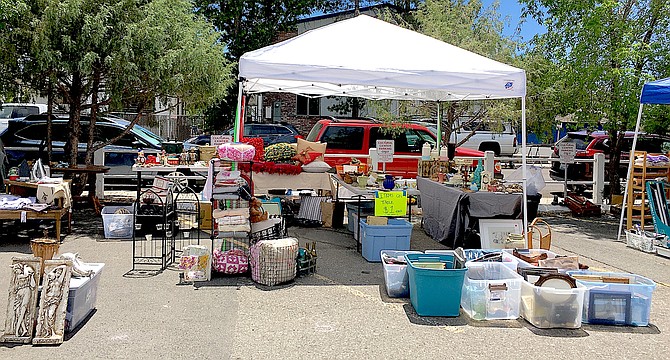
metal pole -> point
(239, 125)
(439, 127)
(565, 181)
(630, 167)
(523, 162)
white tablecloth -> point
(264, 182)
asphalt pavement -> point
(341, 312)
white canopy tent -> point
(372, 59)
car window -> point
(417, 137)
(148, 136)
(248, 130)
(282, 130)
(105, 133)
(581, 141)
(203, 140)
(14, 111)
(650, 145)
(344, 137)
(400, 140)
(38, 132)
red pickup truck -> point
(347, 138)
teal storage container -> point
(434, 292)
(375, 238)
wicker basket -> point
(44, 248)
(640, 242)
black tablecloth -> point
(450, 216)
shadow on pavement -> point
(595, 228)
(563, 333)
(414, 318)
(647, 330)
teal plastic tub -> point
(434, 292)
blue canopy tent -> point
(654, 92)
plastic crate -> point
(640, 242)
(82, 296)
(393, 236)
(395, 275)
(529, 252)
(614, 303)
(491, 290)
(548, 308)
(367, 209)
(117, 226)
(434, 292)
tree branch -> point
(136, 119)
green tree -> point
(600, 54)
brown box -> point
(205, 215)
(327, 209)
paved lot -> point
(341, 312)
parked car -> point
(25, 139)
(21, 110)
(270, 133)
(589, 144)
(501, 142)
(347, 138)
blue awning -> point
(656, 92)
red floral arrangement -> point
(272, 168)
(257, 143)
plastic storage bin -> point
(434, 292)
(491, 291)
(614, 303)
(375, 238)
(547, 307)
(82, 296)
(395, 275)
(529, 252)
(508, 259)
(117, 226)
(367, 209)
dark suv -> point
(26, 139)
(588, 144)
(270, 133)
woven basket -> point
(44, 248)
(640, 242)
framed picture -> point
(493, 232)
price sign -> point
(567, 151)
(221, 139)
(385, 150)
(390, 203)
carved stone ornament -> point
(22, 305)
(53, 302)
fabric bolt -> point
(237, 151)
(11, 202)
(231, 212)
(232, 220)
(230, 262)
(232, 228)
(48, 193)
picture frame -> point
(608, 307)
(493, 232)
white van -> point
(21, 110)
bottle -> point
(313, 248)
(443, 154)
(425, 151)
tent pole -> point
(439, 128)
(523, 164)
(239, 122)
(631, 157)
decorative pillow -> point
(305, 147)
(279, 152)
(230, 262)
(237, 151)
(316, 167)
(258, 144)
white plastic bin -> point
(395, 275)
(614, 303)
(117, 226)
(491, 291)
(82, 296)
(548, 308)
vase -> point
(388, 183)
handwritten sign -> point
(221, 139)
(385, 150)
(390, 203)
(566, 151)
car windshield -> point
(147, 135)
(580, 141)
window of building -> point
(307, 106)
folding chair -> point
(659, 207)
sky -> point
(512, 9)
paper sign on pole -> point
(221, 139)
(567, 151)
(390, 203)
(385, 150)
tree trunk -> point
(355, 107)
(613, 166)
(50, 105)
(88, 159)
(74, 129)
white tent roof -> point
(369, 58)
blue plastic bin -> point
(614, 303)
(434, 292)
(375, 238)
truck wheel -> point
(495, 147)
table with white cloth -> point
(315, 181)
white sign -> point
(385, 150)
(566, 151)
(221, 139)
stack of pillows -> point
(310, 155)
